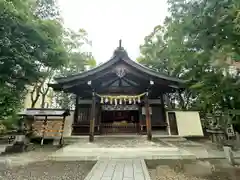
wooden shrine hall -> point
(118, 97)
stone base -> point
(18, 147)
(73, 153)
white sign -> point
(144, 112)
(120, 107)
(230, 130)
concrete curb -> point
(90, 174)
(145, 170)
(125, 150)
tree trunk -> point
(44, 94)
(34, 101)
(36, 89)
(43, 101)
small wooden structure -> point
(118, 91)
(43, 125)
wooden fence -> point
(107, 128)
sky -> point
(108, 21)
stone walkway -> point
(119, 148)
(119, 169)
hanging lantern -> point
(101, 100)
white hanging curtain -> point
(130, 100)
(120, 101)
(106, 100)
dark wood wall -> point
(84, 110)
(82, 120)
(83, 114)
(157, 116)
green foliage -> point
(78, 61)
(76, 44)
(47, 9)
(196, 43)
(28, 44)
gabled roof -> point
(119, 55)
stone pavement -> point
(3, 147)
(116, 148)
(119, 169)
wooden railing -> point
(107, 128)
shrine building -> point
(121, 96)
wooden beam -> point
(92, 118)
(120, 82)
(121, 90)
(147, 77)
(148, 118)
(130, 83)
(109, 83)
(90, 77)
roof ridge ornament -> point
(120, 45)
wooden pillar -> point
(148, 118)
(44, 126)
(92, 118)
(140, 121)
(100, 119)
(76, 110)
(62, 130)
(163, 108)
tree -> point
(196, 43)
(78, 61)
(46, 10)
(27, 44)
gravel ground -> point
(47, 170)
(115, 142)
(192, 170)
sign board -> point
(42, 112)
(120, 107)
(144, 112)
(155, 101)
(84, 101)
(230, 130)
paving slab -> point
(119, 169)
(112, 150)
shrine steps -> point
(74, 139)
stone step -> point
(125, 150)
(78, 155)
(99, 157)
(173, 139)
(75, 139)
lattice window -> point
(83, 114)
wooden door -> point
(173, 123)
